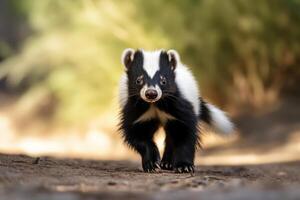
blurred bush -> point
(73, 55)
(241, 51)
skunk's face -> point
(150, 75)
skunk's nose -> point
(151, 94)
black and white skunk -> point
(158, 90)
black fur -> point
(181, 134)
(205, 113)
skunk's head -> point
(150, 74)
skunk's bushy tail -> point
(216, 118)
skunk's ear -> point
(127, 57)
(174, 58)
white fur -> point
(154, 113)
(123, 90)
(219, 120)
(188, 86)
(151, 62)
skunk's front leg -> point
(167, 159)
(139, 136)
(184, 138)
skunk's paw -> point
(184, 167)
(166, 165)
(150, 166)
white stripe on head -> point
(151, 62)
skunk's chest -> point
(154, 113)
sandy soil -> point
(24, 177)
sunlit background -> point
(60, 67)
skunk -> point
(158, 90)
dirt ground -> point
(25, 178)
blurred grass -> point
(242, 52)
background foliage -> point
(68, 65)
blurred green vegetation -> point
(241, 51)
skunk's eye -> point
(139, 80)
(163, 80)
